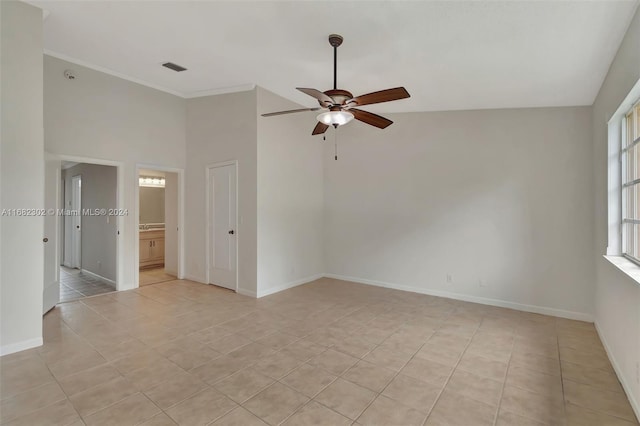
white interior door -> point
(222, 226)
(76, 221)
(51, 279)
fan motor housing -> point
(339, 96)
(335, 40)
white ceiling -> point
(450, 55)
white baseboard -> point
(20, 346)
(195, 278)
(245, 292)
(289, 285)
(580, 316)
(99, 277)
(627, 389)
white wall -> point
(99, 116)
(99, 233)
(501, 196)
(222, 128)
(171, 223)
(617, 295)
(21, 177)
(290, 197)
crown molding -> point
(190, 95)
(220, 91)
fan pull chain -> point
(335, 143)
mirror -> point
(151, 205)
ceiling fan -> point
(340, 105)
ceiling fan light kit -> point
(335, 118)
(340, 104)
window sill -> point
(626, 266)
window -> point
(630, 163)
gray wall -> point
(222, 128)
(617, 295)
(21, 176)
(99, 233)
(290, 196)
(498, 199)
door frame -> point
(57, 231)
(120, 220)
(76, 242)
(208, 189)
(136, 204)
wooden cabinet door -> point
(145, 250)
(151, 248)
(157, 249)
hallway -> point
(75, 285)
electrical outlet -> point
(99, 264)
(449, 278)
(482, 283)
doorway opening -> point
(158, 209)
(88, 261)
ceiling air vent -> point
(175, 67)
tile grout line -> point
(334, 380)
(379, 393)
(82, 371)
(12, 419)
(381, 314)
(564, 399)
(339, 376)
(91, 308)
(394, 376)
(110, 363)
(275, 380)
(504, 381)
(453, 370)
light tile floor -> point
(154, 276)
(326, 353)
(74, 284)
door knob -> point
(231, 232)
(45, 240)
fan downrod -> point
(335, 40)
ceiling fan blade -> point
(291, 111)
(320, 128)
(378, 97)
(371, 118)
(314, 93)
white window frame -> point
(614, 250)
(630, 247)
